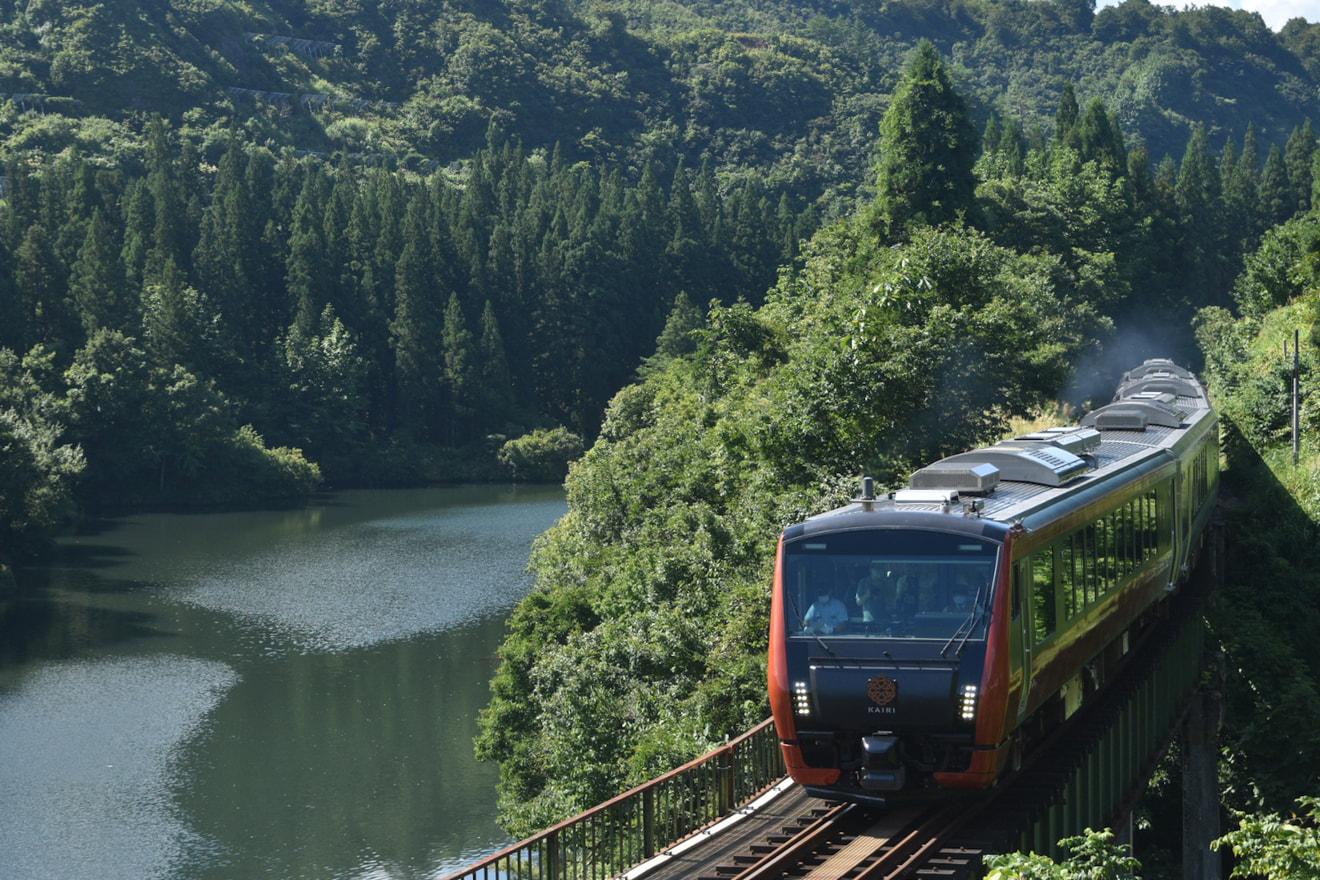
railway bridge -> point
(733, 814)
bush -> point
(542, 456)
(1094, 856)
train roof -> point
(1152, 419)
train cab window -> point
(897, 583)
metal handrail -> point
(608, 839)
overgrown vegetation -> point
(244, 248)
(1092, 856)
(887, 346)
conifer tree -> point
(139, 221)
(1065, 117)
(1276, 201)
(685, 252)
(222, 254)
(172, 323)
(1099, 138)
(928, 147)
(495, 390)
(1200, 206)
(72, 181)
(991, 134)
(169, 205)
(1297, 155)
(414, 332)
(306, 275)
(1240, 173)
(460, 372)
(13, 323)
(679, 336)
(41, 290)
(97, 284)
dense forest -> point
(322, 244)
(739, 253)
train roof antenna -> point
(868, 494)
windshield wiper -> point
(802, 624)
(967, 627)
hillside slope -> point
(792, 91)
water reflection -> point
(87, 775)
(290, 694)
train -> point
(923, 640)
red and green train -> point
(925, 639)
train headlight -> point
(968, 702)
(801, 699)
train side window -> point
(1164, 514)
(1122, 552)
(1019, 587)
(1043, 606)
(1105, 560)
(1139, 530)
(1114, 554)
(1068, 584)
(1087, 565)
(1150, 543)
(1129, 538)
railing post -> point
(648, 822)
(724, 781)
(551, 856)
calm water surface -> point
(288, 695)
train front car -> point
(921, 639)
(884, 677)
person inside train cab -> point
(827, 614)
(873, 592)
(960, 599)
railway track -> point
(849, 842)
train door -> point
(1021, 637)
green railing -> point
(618, 834)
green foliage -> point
(38, 470)
(928, 146)
(324, 405)
(1276, 847)
(160, 435)
(543, 455)
(1281, 269)
(893, 355)
(1093, 856)
(1266, 615)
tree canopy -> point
(928, 147)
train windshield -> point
(899, 583)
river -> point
(288, 694)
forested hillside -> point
(791, 90)
(370, 244)
(975, 287)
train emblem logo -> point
(882, 690)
